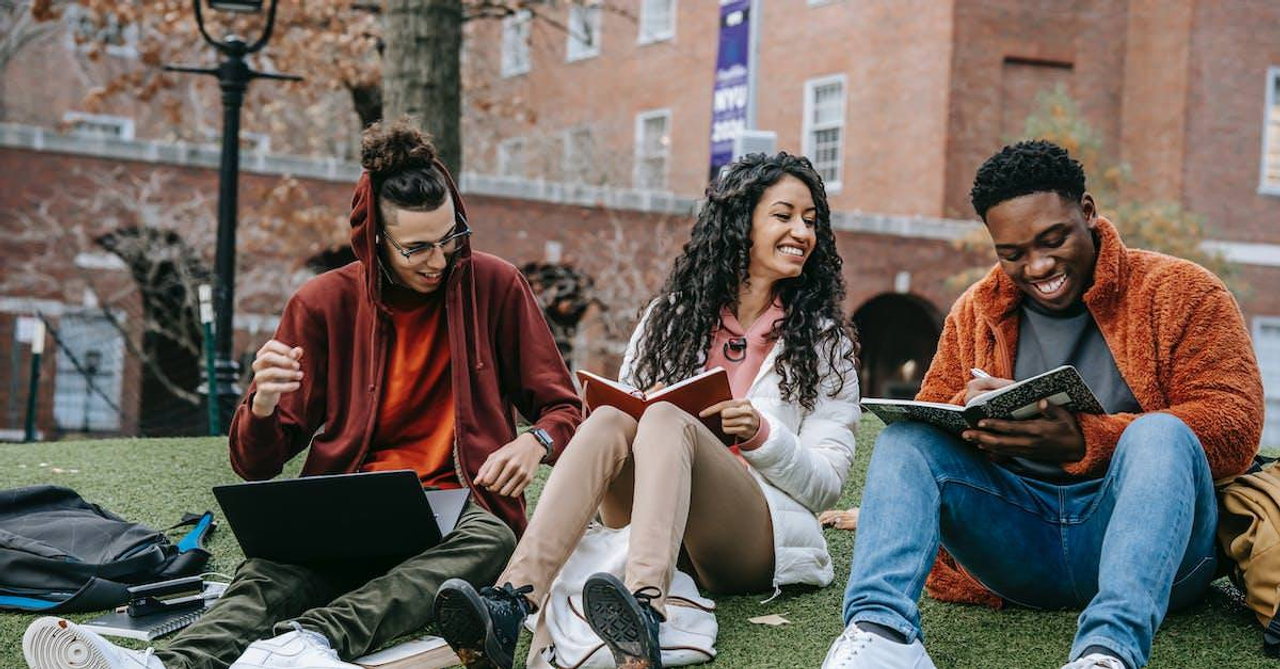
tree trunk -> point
(422, 71)
(367, 101)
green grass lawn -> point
(155, 481)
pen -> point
(978, 373)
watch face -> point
(542, 436)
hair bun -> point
(388, 148)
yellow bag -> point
(1249, 535)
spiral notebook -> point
(147, 628)
(144, 628)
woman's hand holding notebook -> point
(692, 395)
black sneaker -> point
(626, 622)
(482, 628)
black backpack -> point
(61, 554)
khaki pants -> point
(674, 482)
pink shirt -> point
(741, 353)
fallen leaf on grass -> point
(772, 620)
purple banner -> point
(731, 94)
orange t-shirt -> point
(415, 424)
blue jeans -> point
(1127, 547)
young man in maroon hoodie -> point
(411, 358)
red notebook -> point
(692, 394)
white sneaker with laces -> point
(299, 649)
(858, 649)
(55, 643)
(1095, 661)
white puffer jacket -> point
(801, 467)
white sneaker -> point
(54, 643)
(857, 649)
(1095, 661)
(299, 649)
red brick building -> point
(606, 117)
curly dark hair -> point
(401, 161)
(1034, 166)
(713, 265)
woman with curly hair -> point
(757, 290)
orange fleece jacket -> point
(1178, 339)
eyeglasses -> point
(449, 245)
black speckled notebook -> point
(1062, 386)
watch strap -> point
(540, 435)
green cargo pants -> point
(357, 607)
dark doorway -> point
(899, 333)
(334, 258)
(167, 271)
(565, 294)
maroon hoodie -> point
(503, 356)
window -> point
(86, 391)
(98, 126)
(1026, 86)
(824, 128)
(511, 157)
(89, 32)
(584, 30)
(1271, 136)
(1266, 340)
(653, 144)
(579, 155)
(515, 43)
(657, 20)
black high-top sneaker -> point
(625, 621)
(482, 627)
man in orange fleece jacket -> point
(1112, 513)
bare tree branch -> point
(21, 28)
(628, 269)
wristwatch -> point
(544, 439)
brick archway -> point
(166, 270)
(899, 334)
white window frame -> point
(576, 168)
(505, 155)
(808, 128)
(1270, 391)
(72, 391)
(517, 58)
(1270, 134)
(668, 33)
(641, 156)
(129, 33)
(125, 124)
(577, 49)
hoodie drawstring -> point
(475, 322)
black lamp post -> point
(233, 75)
